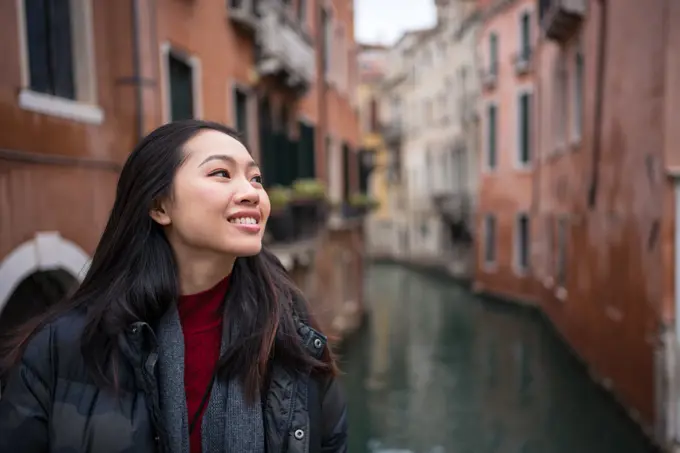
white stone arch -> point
(46, 251)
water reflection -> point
(438, 370)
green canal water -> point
(440, 370)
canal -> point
(440, 370)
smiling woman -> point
(185, 335)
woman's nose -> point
(246, 193)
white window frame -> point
(522, 90)
(251, 110)
(166, 49)
(486, 168)
(84, 108)
(517, 246)
(490, 265)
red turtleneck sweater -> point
(201, 318)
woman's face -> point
(218, 203)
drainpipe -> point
(136, 68)
(599, 105)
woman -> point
(185, 335)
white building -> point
(433, 91)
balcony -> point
(392, 132)
(522, 62)
(455, 210)
(560, 19)
(489, 77)
(285, 50)
(298, 214)
(244, 13)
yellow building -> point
(372, 65)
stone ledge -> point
(295, 252)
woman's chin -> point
(253, 247)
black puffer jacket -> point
(51, 405)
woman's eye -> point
(220, 173)
(257, 179)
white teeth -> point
(244, 221)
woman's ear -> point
(159, 213)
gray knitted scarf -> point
(229, 423)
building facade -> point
(504, 218)
(84, 80)
(430, 130)
(606, 199)
(584, 220)
(372, 70)
(390, 237)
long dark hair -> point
(133, 277)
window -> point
(306, 152)
(427, 173)
(302, 11)
(58, 46)
(577, 111)
(181, 84)
(550, 246)
(493, 53)
(561, 264)
(524, 129)
(522, 243)
(424, 230)
(241, 113)
(490, 239)
(525, 35)
(50, 47)
(560, 111)
(373, 110)
(327, 40)
(491, 157)
(346, 189)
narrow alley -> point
(437, 369)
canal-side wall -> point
(330, 272)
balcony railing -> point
(298, 221)
(455, 209)
(392, 132)
(522, 61)
(489, 77)
(286, 51)
(244, 13)
(560, 19)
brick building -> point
(601, 191)
(82, 81)
(506, 43)
(605, 207)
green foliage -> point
(279, 196)
(309, 189)
(361, 200)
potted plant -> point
(308, 205)
(361, 203)
(280, 226)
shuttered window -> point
(50, 47)
(492, 117)
(524, 131)
(241, 113)
(181, 89)
(345, 172)
(306, 152)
